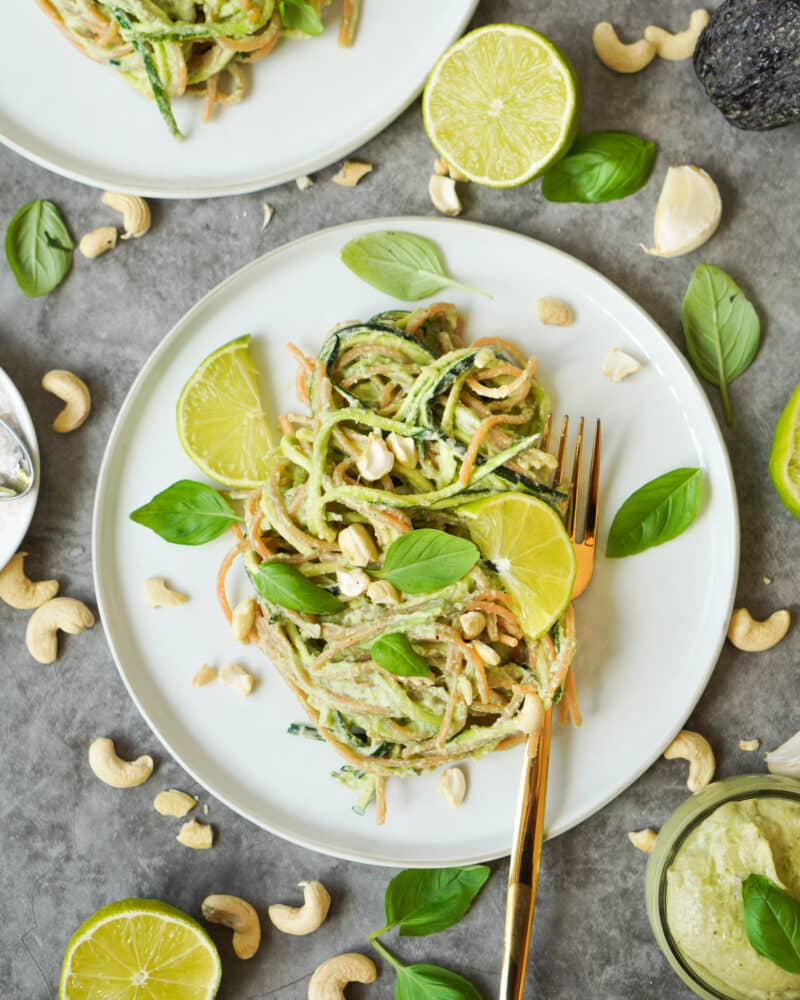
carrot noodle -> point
(380, 800)
(222, 573)
(302, 359)
(349, 22)
(504, 345)
(472, 451)
(211, 97)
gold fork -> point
(526, 850)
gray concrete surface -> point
(69, 845)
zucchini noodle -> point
(470, 420)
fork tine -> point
(593, 501)
(575, 483)
(562, 453)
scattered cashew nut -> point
(244, 614)
(530, 718)
(644, 840)
(114, 771)
(235, 676)
(134, 210)
(351, 173)
(18, 591)
(444, 195)
(697, 751)
(749, 746)
(682, 44)
(330, 979)
(752, 636)
(304, 183)
(305, 919)
(205, 675)
(159, 595)
(472, 624)
(199, 836)
(240, 916)
(64, 613)
(617, 55)
(75, 393)
(553, 312)
(98, 241)
(453, 786)
(172, 802)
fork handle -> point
(526, 855)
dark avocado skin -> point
(748, 60)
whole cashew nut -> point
(617, 55)
(330, 979)
(135, 212)
(75, 393)
(114, 771)
(752, 636)
(682, 44)
(643, 840)
(18, 591)
(64, 613)
(305, 919)
(240, 917)
(98, 241)
(697, 751)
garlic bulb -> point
(687, 214)
(786, 759)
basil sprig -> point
(403, 265)
(600, 166)
(187, 513)
(286, 586)
(39, 248)
(425, 560)
(431, 982)
(395, 653)
(656, 513)
(772, 921)
(300, 15)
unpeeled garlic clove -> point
(687, 214)
(786, 759)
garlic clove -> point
(443, 194)
(687, 214)
(786, 759)
(619, 365)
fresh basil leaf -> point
(187, 513)
(400, 264)
(721, 328)
(38, 248)
(285, 585)
(656, 513)
(301, 16)
(395, 653)
(601, 166)
(431, 982)
(425, 901)
(425, 560)
(772, 921)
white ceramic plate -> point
(650, 627)
(16, 515)
(310, 103)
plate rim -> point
(23, 414)
(262, 183)
(308, 843)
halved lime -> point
(526, 542)
(137, 949)
(221, 421)
(784, 458)
(502, 105)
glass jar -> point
(670, 839)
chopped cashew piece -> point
(240, 917)
(530, 718)
(453, 786)
(172, 802)
(697, 751)
(687, 214)
(330, 979)
(617, 55)
(619, 365)
(682, 44)
(472, 624)
(752, 636)
(305, 919)
(403, 449)
(98, 241)
(269, 211)
(352, 582)
(375, 461)
(383, 592)
(444, 195)
(238, 678)
(304, 183)
(18, 591)
(75, 394)
(159, 595)
(553, 312)
(351, 173)
(60, 613)
(205, 675)
(134, 210)
(644, 840)
(749, 745)
(114, 771)
(486, 653)
(244, 615)
(199, 836)
(357, 545)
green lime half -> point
(784, 459)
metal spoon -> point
(17, 472)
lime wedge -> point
(137, 949)
(784, 459)
(221, 422)
(502, 105)
(526, 542)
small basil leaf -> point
(425, 560)
(301, 16)
(400, 264)
(772, 921)
(600, 166)
(286, 586)
(187, 513)
(425, 901)
(395, 653)
(656, 513)
(721, 328)
(431, 982)
(38, 248)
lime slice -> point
(784, 459)
(137, 949)
(221, 422)
(528, 546)
(502, 105)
